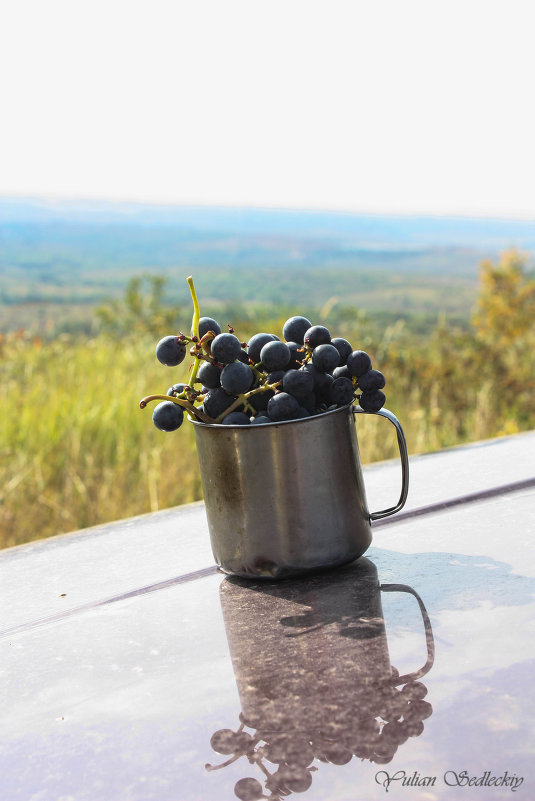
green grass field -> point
(76, 450)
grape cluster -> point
(372, 728)
(267, 379)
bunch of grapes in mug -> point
(370, 729)
(265, 380)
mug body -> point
(284, 499)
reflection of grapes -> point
(248, 789)
(224, 741)
(372, 727)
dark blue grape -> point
(209, 375)
(259, 400)
(171, 351)
(282, 407)
(309, 403)
(372, 401)
(260, 420)
(256, 343)
(301, 413)
(208, 324)
(341, 391)
(341, 372)
(298, 383)
(236, 378)
(317, 335)
(168, 416)
(216, 401)
(226, 348)
(358, 363)
(275, 356)
(176, 389)
(325, 358)
(297, 353)
(243, 357)
(275, 376)
(236, 419)
(343, 347)
(371, 381)
(295, 328)
(322, 381)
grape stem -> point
(179, 402)
(194, 326)
(244, 397)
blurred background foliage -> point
(77, 451)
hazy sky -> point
(394, 106)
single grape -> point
(216, 401)
(225, 348)
(322, 381)
(343, 347)
(358, 363)
(168, 416)
(224, 741)
(394, 733)
(176, 389)
(298, 383)
(317, 335)
(325, 358)
(371, 380)
(260, 400)
(296, 778)
(208, 324)
(295, 328)
(297, 353)
(372, 401)
(301, 413)
(260, 420)
(236, 378)
(275, 376)
(256, 343)
(275, 356)
(171, 351)
(418, 710)
(243, 357)
(282, 407)
(236, 419)
(414, 690)
(248, 789)
(209, 375)
(341, 372)
(341, 391)
(337, 753)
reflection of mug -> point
(312, 650)
(314, 677)
(288, 498)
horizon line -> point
(50, 198)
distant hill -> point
(58, 259)
(358, 231)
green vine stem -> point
(194, 327)
(179, 402)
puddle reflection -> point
(315, 680)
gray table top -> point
(123, 650)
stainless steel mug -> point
(284, 499)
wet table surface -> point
(131, 669)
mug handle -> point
(404, 462)
(429, 640)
